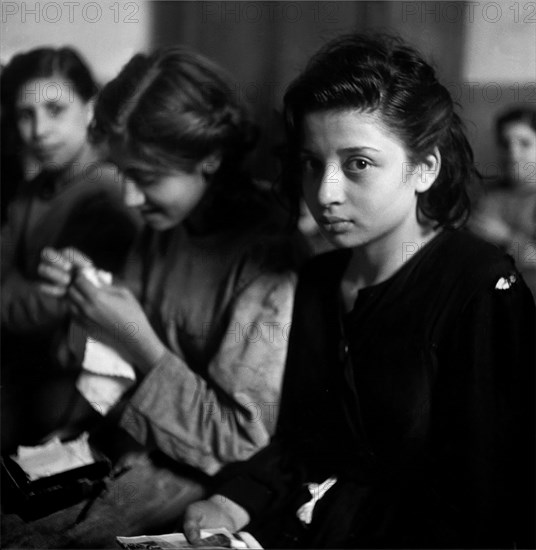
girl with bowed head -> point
(65, 195)
(407, 412)
(204, 309)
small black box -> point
(41, 497)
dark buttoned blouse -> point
(420, 401)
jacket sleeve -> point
(230, 414)
(100, 227)
(23, 308)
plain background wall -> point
(485, 52)
(106, 32)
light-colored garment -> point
(223, 308)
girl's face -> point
(163, 199)
(52, 120)
(358, 180)
(518, 142)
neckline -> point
(57, 181)
(400, 275)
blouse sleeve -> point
(230, 414)
(23, 308)
(101, 227)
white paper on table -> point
(54, 457)
(240, 540)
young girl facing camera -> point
(407, 415)
(204, 310)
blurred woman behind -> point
(506, 213)
(66, 197)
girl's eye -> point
(142, 179)
(24, 115)
(309, 164)
(356, 165)
(54, 109)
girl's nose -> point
(41, 125)
(331, 189)
(132, 195)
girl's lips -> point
(43, 151)
(335, 224)
(341, 226)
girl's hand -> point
(216, 512)
(112, 315)
(57, 267)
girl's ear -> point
(90, 110)
(428, 171)
(210, 164)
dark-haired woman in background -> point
(506, 213)
(75, 200)
(407, 415)
(211, 282)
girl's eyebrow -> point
(345, 150)
(358, 149)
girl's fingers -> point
(53, 290)
(86, 286)
(78, 298)
(76, 258)
(56, 258)
(54, 274)
(192, 531)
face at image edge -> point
(52, 120)
(164, 200)
(358, 180)
(518, 147)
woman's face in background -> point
(52, 120)
(164, 200)
(518, 146)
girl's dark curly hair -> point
(380, 73)
(64, 63)
(172, 109)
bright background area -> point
(485, 51)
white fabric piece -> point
(98, 277)
(105, 377)
(305, 512)
(504, 283)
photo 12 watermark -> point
(69, 12)
(468, 12)
(277, 12)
